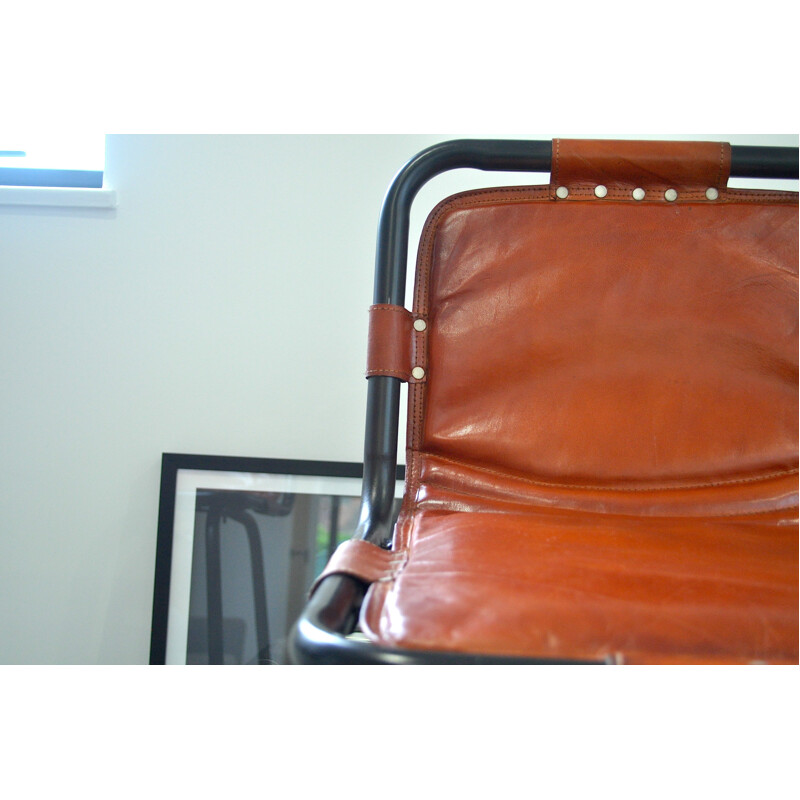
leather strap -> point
(362, 560)
(688, 168)
(394, 347)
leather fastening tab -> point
(689, 168)
(362, 560)
(394, 347)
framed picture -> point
(240, 541)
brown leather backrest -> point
(582, 336)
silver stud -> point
(638, 194)
(600, 191)
(418, 373)
(420, 324)
(670, 195)
(712, 193)
(562, 192)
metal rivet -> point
(418, 373)
(638, 194)
(670, 195)
(420, 324)
(562, 192)
(600, 191)
(712, 193)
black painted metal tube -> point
(383, 393)
(495, 155)
(764, 162)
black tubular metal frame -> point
(320, 635)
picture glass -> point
(246, 547)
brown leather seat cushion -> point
(555, 582)
(602, 455)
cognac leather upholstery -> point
(602, 458)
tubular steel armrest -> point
(319, 635)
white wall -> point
(220, 309)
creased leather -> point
(362, 560)
(553, 584)
(603, 460)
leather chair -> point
(602, 417)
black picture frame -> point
(217, 490)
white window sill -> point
(56, 196)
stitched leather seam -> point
(470, 200)
(663, 515)
(403, 531)
(420, 419)
(454, 204)
(388, 372)
(391, 307)
(510, 476)
(419, 423)
(408, 509)
(504, 194)
(414, 488)
(625, 194)
(557, 164)
(736, 196)
(465, 200)
(777, 195)
(411, 467)
(721, 158)
(555, 168)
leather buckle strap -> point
(655, 171)
(364, 561)
(396, 344)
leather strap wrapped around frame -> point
(362, 560)
(396, 344)
(663, 171)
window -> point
(60, 160)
